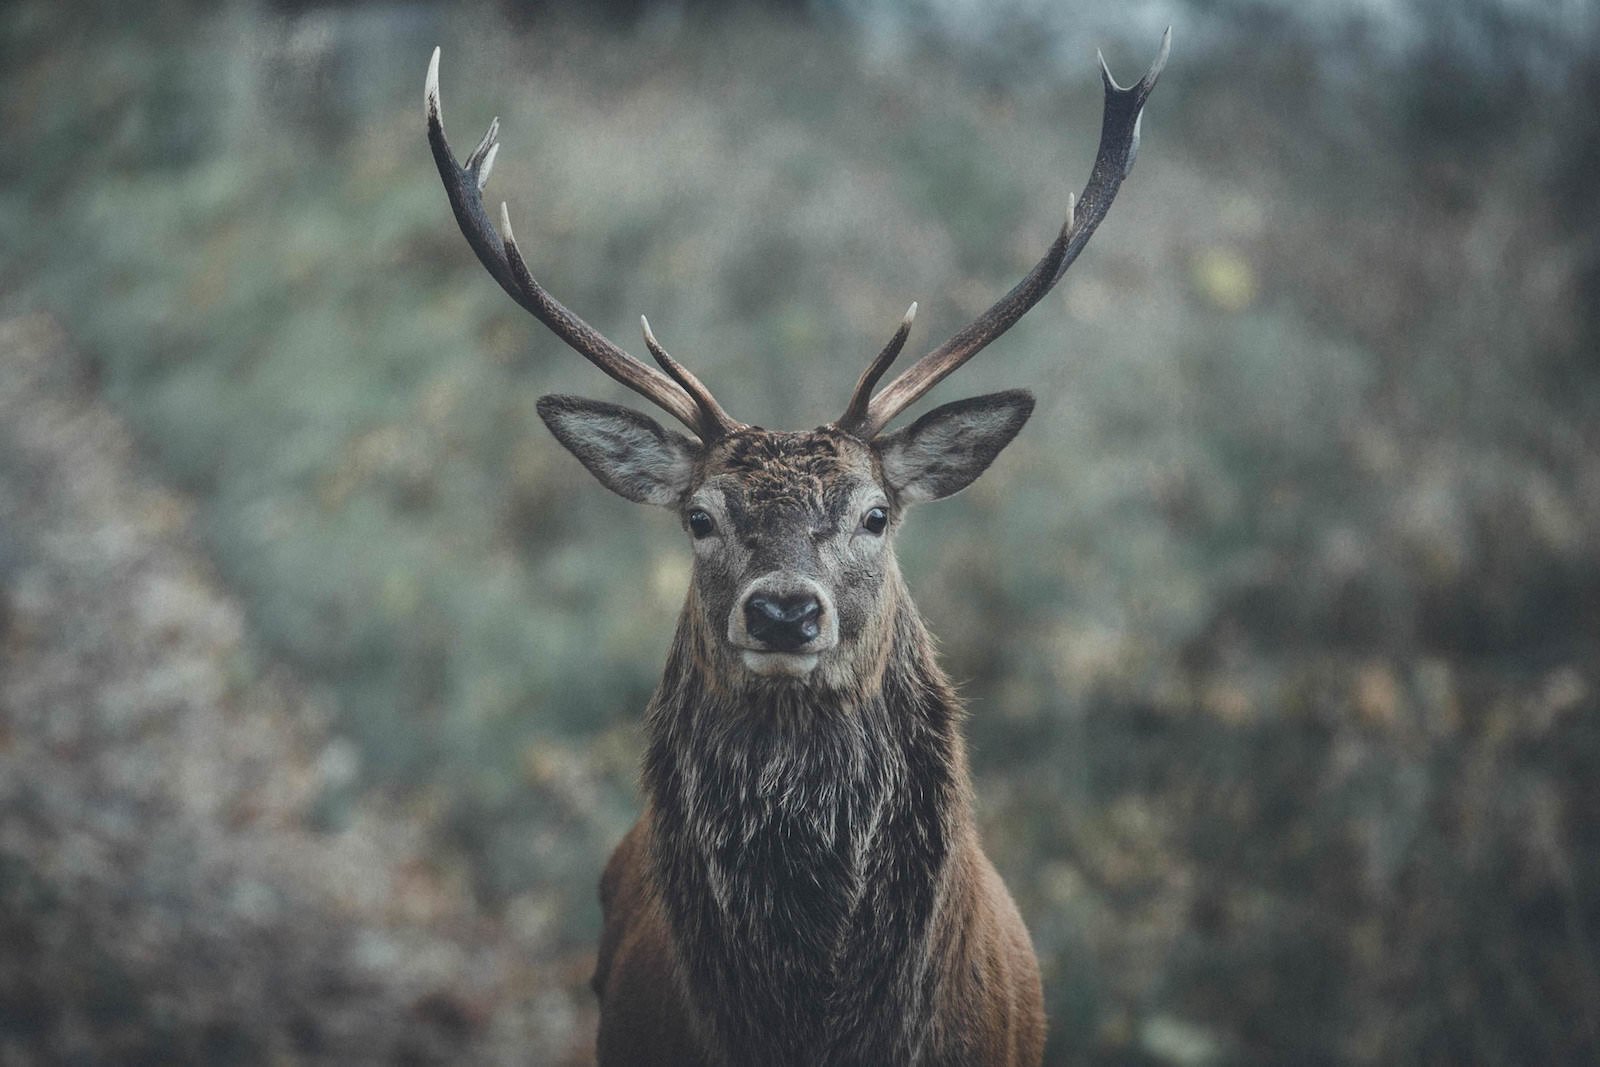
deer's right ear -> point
(631, 454)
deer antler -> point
(711, 414)
(1119, 143)
(689, 402)
(856, 411)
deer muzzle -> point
(782, 624)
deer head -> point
(794, 568)
(792, 531)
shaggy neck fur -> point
(802, 839)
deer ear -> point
(631, 454)
(944, 451)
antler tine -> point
(717, 422)
(499, 254)
(1119, 144)
(855, 412)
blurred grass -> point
(1254, 619)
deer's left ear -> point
(944, 451)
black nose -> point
(782, 622)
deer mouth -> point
(779, 664)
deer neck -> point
(802, 845)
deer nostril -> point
(806, 619)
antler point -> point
(1149, 80)
(505, 225)
(430, 89)
(487, 165)
(911, 314)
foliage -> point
(1278, 623)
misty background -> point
(322, 665)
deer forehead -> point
(773, 477)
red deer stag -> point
(805, 885)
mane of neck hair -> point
(802, 836)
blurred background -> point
(321, 665)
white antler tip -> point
(487, 165)
(1105, 74)
(654, 346)
(649, 335)
(1161, 59)
(911, 314)
(505, 225)
(431, 88)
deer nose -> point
(783, 622)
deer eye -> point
(700, 524)
(875, 520)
